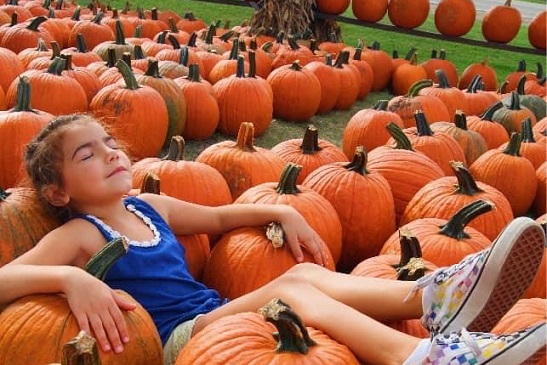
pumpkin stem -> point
(292, 334)
(252, 64)
(57, 66)
(460, 120)
(120, 37)
(489, 113)
(527, 135)
(128, 75)
(520, 85)
(193, 73)
(153, 69)
(245, 137)
(23, 97)
(81, 350)
(275, 234)
(287, 183)
(240, 68)
(411, 266)
(176, 149)
(150, 183)
(417, 86)
(514, 104)
(466, 183)
(443, 82)
(455, 227)
(99, 264)
(513, 146)
(422, 126)
(35, 23)
(401, 140)
(310, 142)
(359, 162)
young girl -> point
(82, 173)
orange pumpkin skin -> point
(501, 23)
(248, 260)
(525, 313)
(541, 194)
(455, 17)
(443, 197)
(537, 29)
(370, 11)
(23, 222)
(49, 320)
(245, 337)
(408, 14)
(333, 7)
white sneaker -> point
(480, 289)
(473, 348)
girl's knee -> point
(306, 270)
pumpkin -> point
(243, 99)
(535, 103)
(501, 23)
(367, 128)
(494, 133)
(451, 96)
(202, 112)
(51, 91)
(81, 55)
(333, 7)
(24, 221)
(172, 96)
(533, 150)
(439, 62)
(350, 77)
(441, 198)
(310, 152)
(94, 31)
(512, 79)
(407, 105)
(513, 113)
(252, 339)
(408, 265)
(296, 92)
(136, 115)
(478, 100)
(438, 146)
(541, 194)
(406, 169)
(246, 257)
(241, 163)
(472, 142)
(367, 74)
(370, 11)
(406, 75)
(382, 68)
(537, 29)
(525, 313)
(364, 203)
(316, 209)
(455, 18)
(509, 172)
(119, 44)
(82, 349)
(25, 35)
(191, 181)
(227, 66)
(48, 319)
(408, 14)
(189, 23)
(483, 68)
(86, 78)
(20, 123)
(10, 67)
(329, 79)
(446, 242)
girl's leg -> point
(370, 340)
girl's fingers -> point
(99, 332)
(121, 325)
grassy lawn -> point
(331, 126)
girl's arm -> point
(187, 218)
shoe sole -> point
(527, 351)
(511, 267)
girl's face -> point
(94, 168)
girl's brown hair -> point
(44, 157)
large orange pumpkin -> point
(501, 23)
(537, 29)
(455, 17)
(247, 338)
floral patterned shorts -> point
(178, 339)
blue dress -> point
(155, 273)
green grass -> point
(331, 126)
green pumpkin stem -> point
(23, 100)
(455, 227)
(381, 105)
(310, 141)
(81, 350)
(422, 125)
(193, 73)
(417, 86)
(153, 69)
(292, 335)
(513, 146)
(57, 66)
(120, 37)
(99, 264)
(411, 266)
(489, 113)
(401, 140)
(527, 135)
(35, 23)
(128, 75)
(466, 183)
(443, 82)
(287, 183)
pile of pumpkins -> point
(448, 150)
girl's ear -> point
(55, 195)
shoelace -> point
(466, 268)
(468, 339)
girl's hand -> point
(299, 234)
(98, 310)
